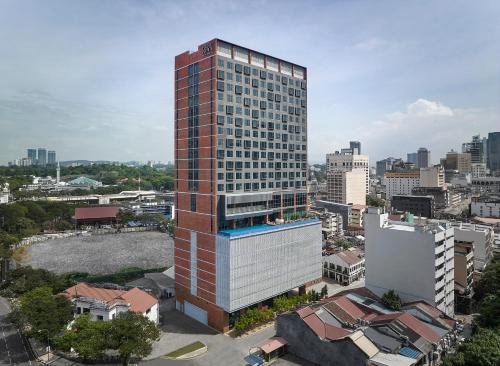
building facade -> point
(241, 161)
(423, 206)
(494, 152)
(482, 239)
(42, 156)
(349, 161)
(343, 267)
(477, 148)
(401, 182)
(414, 260)
(346, 187)
(31, 154)
(51, 157)
(485, 207)
(423, 158)
(432, 176)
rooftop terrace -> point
(260, 229)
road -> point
(13, 350)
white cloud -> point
(427, 108)
(370, 44)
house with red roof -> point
(354, 328)
(343, 267)
(98, 215)
(106, 303)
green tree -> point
(343, 243)
(489, 284)
(132, 334)
(483, 349)
(374, 201)
(40, 314)
(88, 338)
(489, 312)
(392, 300)
(324, 291)
(7, 242)
(24, 279)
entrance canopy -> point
(272, 344)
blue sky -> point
(94, 79)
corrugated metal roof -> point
(389, 359)
(364, 344)
(409, 352)
(101, 212)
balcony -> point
(439, 261)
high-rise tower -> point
(241, 166)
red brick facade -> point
(204, 220)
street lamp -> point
(48, 342)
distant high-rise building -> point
(494, 151)
(51, 157)
(239, 169)
(411, 158)
(347, 161)
(42, 156)
(385, 165)
(477, 149)
(355, 145)
(32, 155)
(423, 158)
(346, 186)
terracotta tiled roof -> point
(305, 312)
(333, 333)
(344, 310)
(317, 326)
(139, 300)
(349, 257)
(101, 212)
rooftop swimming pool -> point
(258, 229)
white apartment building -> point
(481, 237)
(479, 170)
(347, 161)
(432, 176)
(106, 304)
(401, 183)
(4, 193)
(343, 267)
(485, 207)
(346, 187)
(415, 260)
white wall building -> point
(4, 193)
(485, 207)
(415, 260)
(481, 237)
(257, 263)
(106, 304)
(401, 183)
(479, 170)
(343, 267)
(346, 161)
(346, 187)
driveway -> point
(13, 350)
(180, 330)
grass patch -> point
(185, 350)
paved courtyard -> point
(181, 330)
(102, 254)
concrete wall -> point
(304, 343)
(256, 267)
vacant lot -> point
(102, 254)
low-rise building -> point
(344, 210)
(417, 205)
(343, 267)
(99, 215)
(331, 223)
(485, 206)
(106, 303)
(441, 195)
(4, 193)
(489, 185)
(358, 212)
(355, 328)
(482, 239)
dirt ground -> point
(102, 254)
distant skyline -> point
(94, 80)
